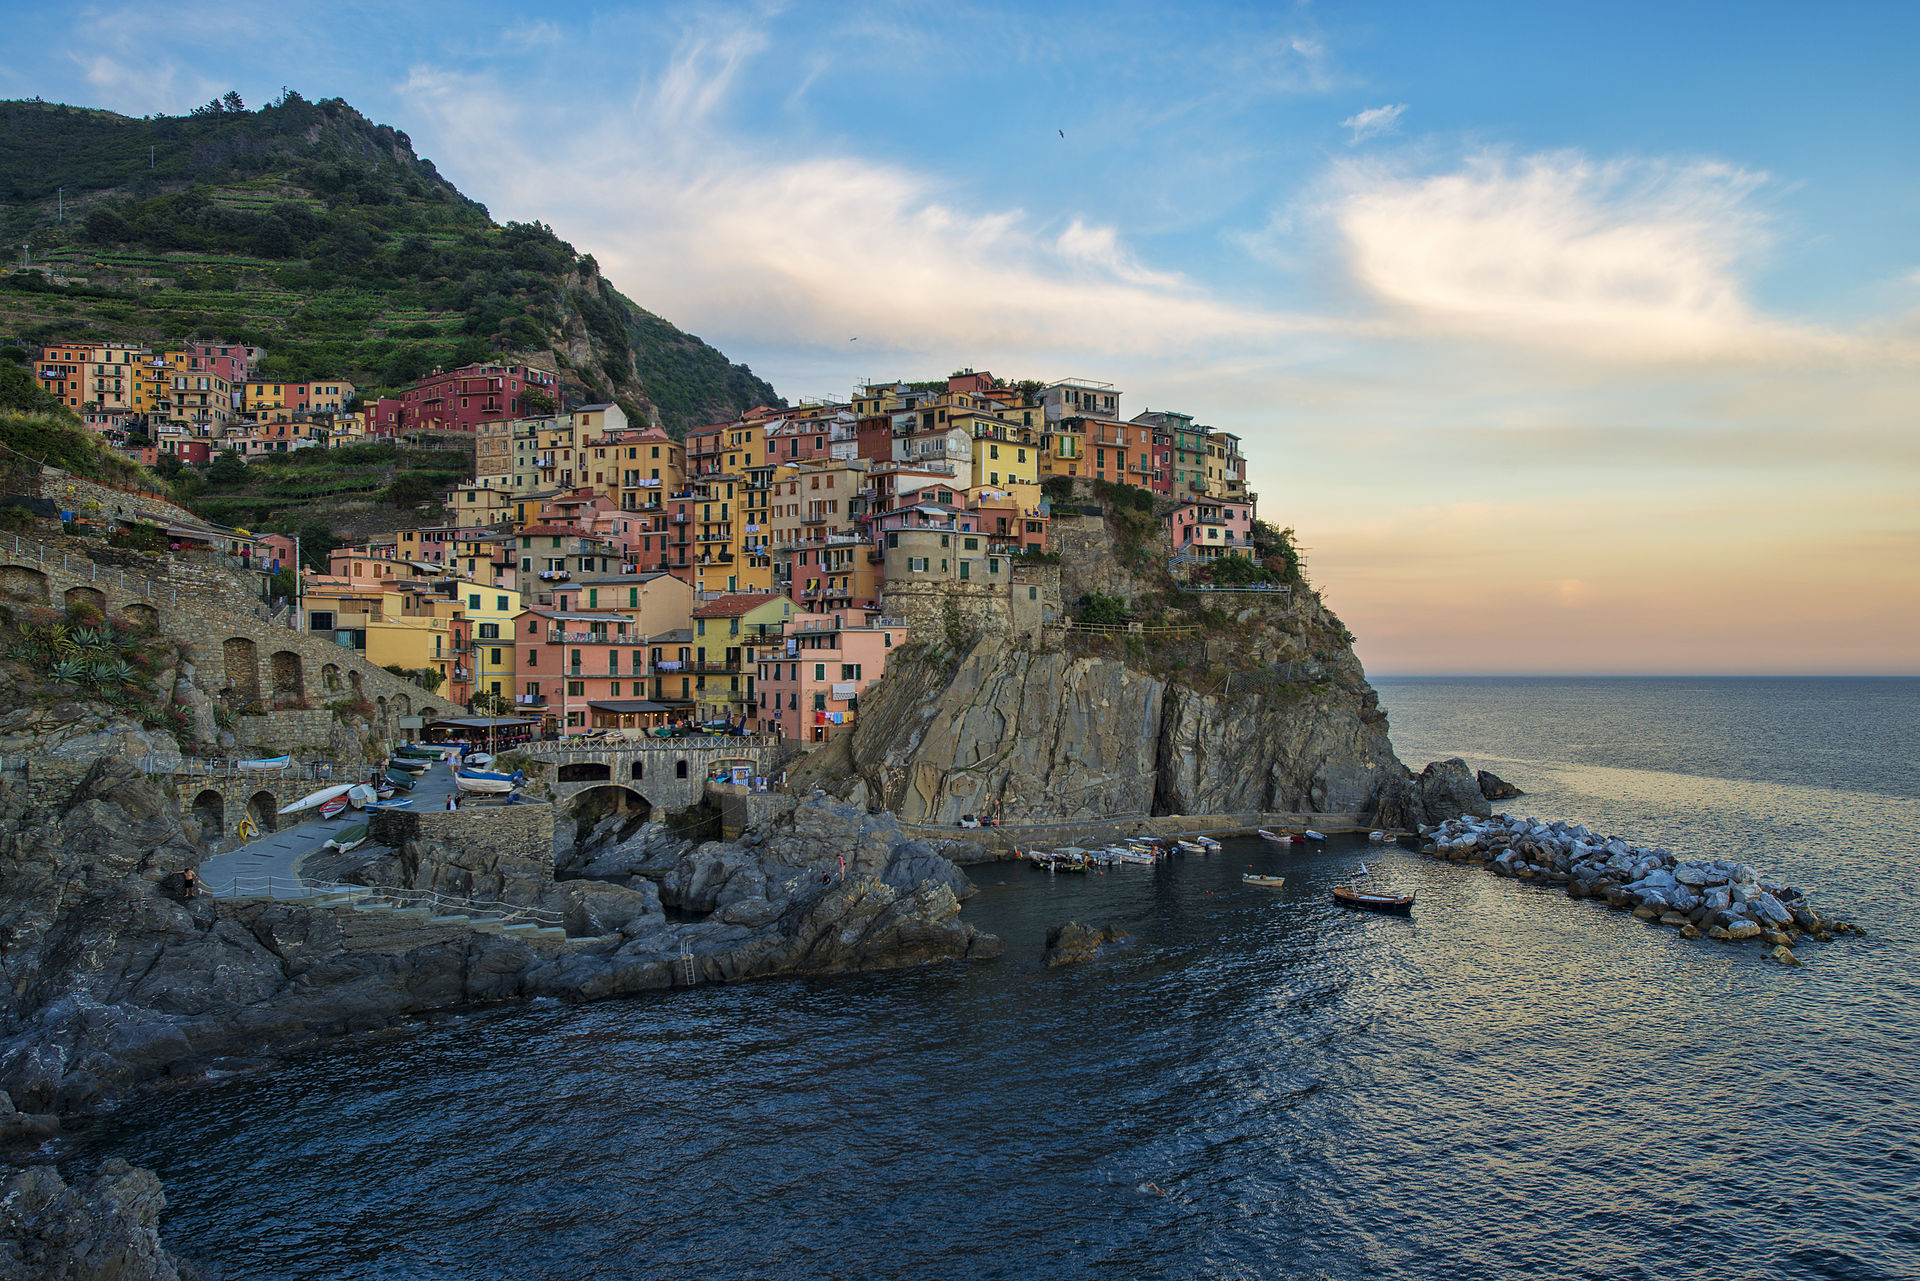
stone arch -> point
(380, 707)
(210, 809)
(402, 704)
(242, 659)
(680, 768)
(330, 677)
(22, 583)
(638, 771)
(353, 680)
(429, 711)
(264, 809)
(84, 597)
(143, 616)
(612, 798)
(585, 772)
(289, 675)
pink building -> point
(1209, 528)
(793, 440)
(575, 670)
(810, 689)
(460, 399)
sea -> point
(1253, 1084)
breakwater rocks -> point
(102, 1228)
(1072, 942)
(1726, 901)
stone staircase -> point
(363, 916)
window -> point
(893, 539)
(916, 564)
(965, 565)
(819, 671)
(500, 604)
(1033, 593)
(615, 689)
(943, 540)
(849, 671)
(699, 627)
(493, 656)
(576, 687)
(490, 631)
(971, 544)
(533, 658)
(820, 701)
(639, 661)
(993, 565)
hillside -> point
(305, 228)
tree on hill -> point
(227, 469)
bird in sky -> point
(1063, 133)
(853, 339)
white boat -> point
(488, 786)
(1264, 882)
(362, 795)
(1207, 843)
(319, 798)
(265, 763)
(1190, 847)
(347, 838)
(477, 758)
(1136, 855)
(1315, 836)
(400, 804)
(1378, 836)
(1277, 837)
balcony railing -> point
(561, 636)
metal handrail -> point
(692, 742)
(225, 767)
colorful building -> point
(809, 686)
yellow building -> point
(490, 610)
(1003, 453)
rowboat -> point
(265, 763)
(516, 777)
(347, 838)
(1264, 882)
(362, 795)
(1134, 854)
(1191, 847)
(1278, 838)
(400, 804)
(487, 786)
(335, 807)
(1312, 835)
(402, 781)
(1207, 843)
(1389, 904)
(478, 758)
(1378, 836)
(410, 764)
(318, 798)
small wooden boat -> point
(1277, 837)
(362, 795)
(347, 838)
(319, 798)
(478, 758)
(1388, 904)
(484, 786)
(402, 781)
(335, 807)
(1312, 835)
(1379, 836)
(516, 777)
(264, 763)
(1191, 847)
(400, 804)
(1264, 882)
(1207, 843)
(409, 764)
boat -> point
(318, 798)
(1190, 847)
(516, 777)
(1388, 904)
(478, 758)
(361, 795)
(1070, 858)
(411, 765)
(1312, 835)
(334, 806)
(402, 781)
(484, 786)
(1207, 843)
(347, 838)
(1277, 838)
(264, 763)
(1378, 836)
(420, 753)
(1134, 854)
(400, 804)
(1264, 882)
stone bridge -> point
(247, 654)
(658, 774)
(220, 802)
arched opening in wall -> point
(402, 705)
(680, 768)
(264, 810)
(329, 678)
(380, 709)
(637, 771)
(289, 677)
(210, 811)
(143, 616)
(20, 583)
(242, 661)
(353, 680)
(585, 772)
(591, 809)
(87, 598)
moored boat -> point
(319, 798)
(1190, 847)
(1207, 843)
(1264, 882)
(1278, 838)
(1388, 904)
(1312, 835)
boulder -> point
(102, 1228)
(1743, 930)
(1690, 931)
(1495, 788)
(1072, 942)
(1720, 932)
(1783, 955)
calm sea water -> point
(1256, 1085)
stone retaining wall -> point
(489, 853)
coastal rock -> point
(1071, 943)
(24, 1127)
(1743, 930)
(1495, 788)
(103, 1228)
(1783, 955)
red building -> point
(461, 399)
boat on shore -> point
(409, 764)
(319, 798)
(1386, 904)
(1264, 882)
(401, 780)
(264, 763)
(347, 838)
(400, 804)
(484, 786)
(516, 777)
(334, 806)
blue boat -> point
(518, 776)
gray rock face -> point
(103, 1228)
(1495, 788)
(1044, 735)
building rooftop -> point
(735, 605)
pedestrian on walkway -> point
(452, 803)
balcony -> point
(558, 636)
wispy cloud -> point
(1373, 122)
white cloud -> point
(1626, 260)
(1373, 121)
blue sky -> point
(1570, 338)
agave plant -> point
(60, 642)
(68, 671)
(112, 671)
(93, 641)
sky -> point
(1568, 338)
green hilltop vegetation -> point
(307, 229)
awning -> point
(625, 705)
(482, 722)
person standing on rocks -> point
(189, 884)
